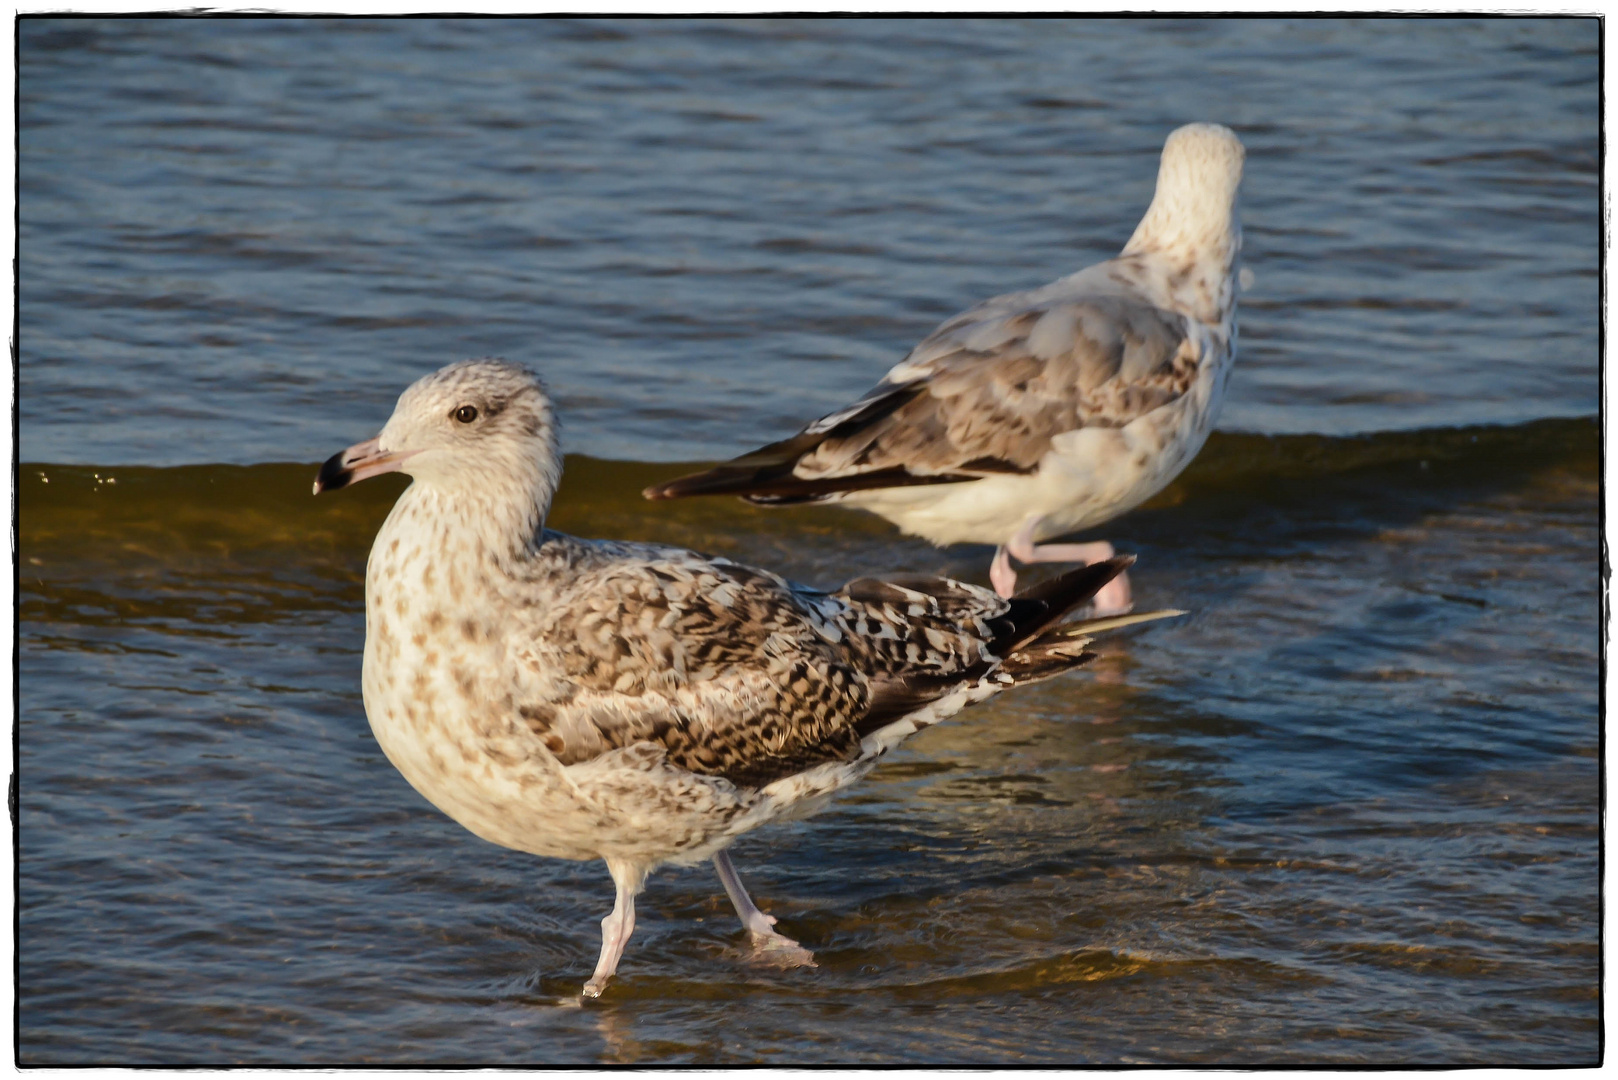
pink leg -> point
(616, 928)
(1001, 575)
(779, 948)
(1114, 597)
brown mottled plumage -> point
(989, 404)
(631, 702)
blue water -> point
(1346, 811)
(235, 233)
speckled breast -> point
(440, 699)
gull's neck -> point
(1189, 222)
(493, 518)
(1192, 236)
(1193, 227)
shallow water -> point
(1345, 811)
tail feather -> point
(1113, 622)
(774, 485)
(1038, 644)
(1043, 659)
(1063, 648)
(1029, 642)
(766, 475)
(1035, 610)
(740, 475)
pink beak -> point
(359, 462)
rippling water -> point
(1346, 811)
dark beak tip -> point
(333, 475)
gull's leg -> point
(753, 919)
(761, 926)
(1001, 575)
(616, 928)
(1113, 599)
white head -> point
(1195, 209)
(482, 429)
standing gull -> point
(1040, 413)
(590, 699)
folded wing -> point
(735, 673)
(985, 393)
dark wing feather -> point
(985, 393)
(1021, 625)
(766, 475)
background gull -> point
(635, 703)
(1039, 413)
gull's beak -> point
(359, 462)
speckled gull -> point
(588, 699)
(1040, 413)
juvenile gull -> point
(586, 699)
(1040, 413)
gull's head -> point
(472, 425)
(1205, 157)
(1195, 203)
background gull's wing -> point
(985, 393)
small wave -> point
(1237, 459)
(107, 513)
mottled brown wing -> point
(733, 671)
(983, 394)
(991, 388)
(726, 668)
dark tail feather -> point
(765, 475)
(1038, 609)
(1057, 646)
(740, 475)
(1062, 648)
(776, 486)
(1030, 638)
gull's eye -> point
(466, 414)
